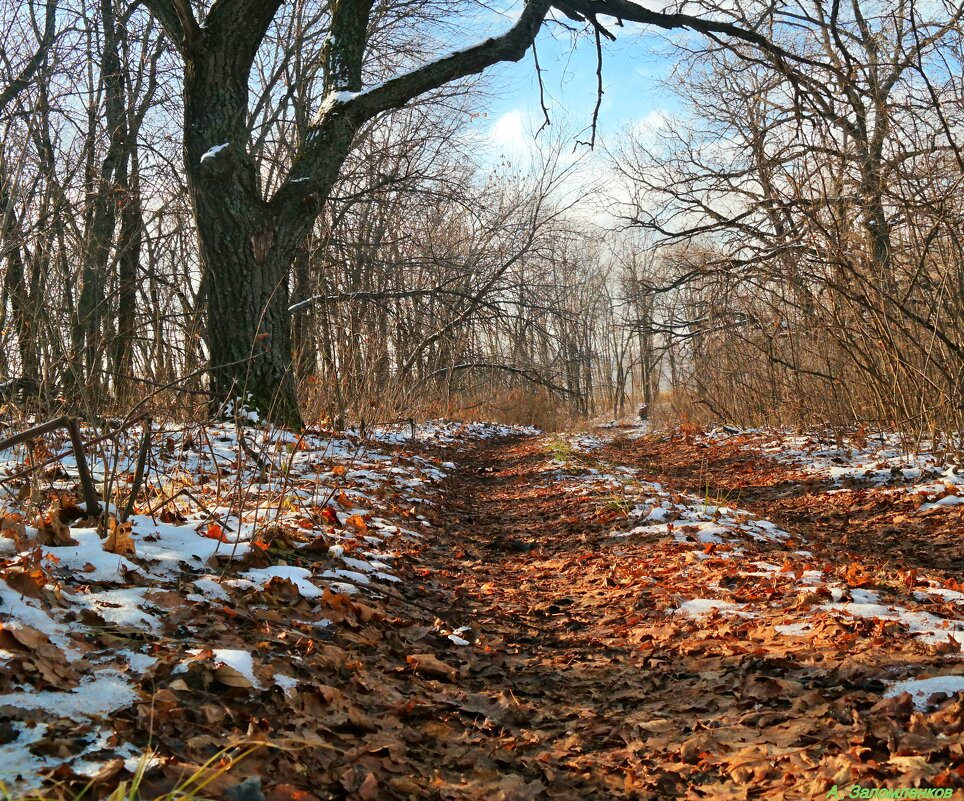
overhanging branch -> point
(530, 375)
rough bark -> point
(109, 191)
(128, 259)
(15, 288)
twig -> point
(221, 521)
(599, 83)
(139, 470)
(542, 92)
(86, 481)
(266, 467)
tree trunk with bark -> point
(247, 242)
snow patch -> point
(921, 690)
(212, 152)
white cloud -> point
(509, 134)
(648, 126)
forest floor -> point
(627, 615)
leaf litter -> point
(617, 615)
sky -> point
(633, 69)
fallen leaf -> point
(431, 665)
(52, 530)
(214, 532)
(119, 540)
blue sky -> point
(633, 68)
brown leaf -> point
(12, 528)
(692, 749)
(368, 791)
(27, 581)
(230, 677)
(23, 636)
(360, 720)
(431, 665)
(406, 786)
(119, 540)
(109, 770)
(282, 589)
(358, 523)
(52, 529)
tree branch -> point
(396, 92)
(165, 13)
(240, 23)
(530, 375)
(22, 81)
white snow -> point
(239, 660)
(947, 500)
(929, 628)
(922, 689)
(209, 587)
(26, 611)
(861, 596)
(288, 684)
(95, 697)
(89, 559)
(171, 548)
(138, 662)
(120, 607)
(351, 575)
(299, 576)
(794, 629)
(950, 596)
(881, 459)
(699, 607)
(212, 152)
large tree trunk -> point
(248, 244)
(248, 324)
(245, 249)
(246, 255)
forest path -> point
(615, 660)
(516, 554)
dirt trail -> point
(589, 687)
(517, 557)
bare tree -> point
(248, 240)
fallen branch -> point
(33, 433)
(52, 459)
